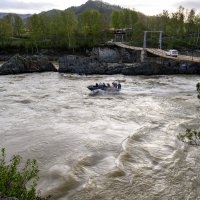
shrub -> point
(190, 137)
(17, 181)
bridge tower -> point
(143, 55)
(159, 41)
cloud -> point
(189, 4)
(21, 5)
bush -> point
(16, 181)
(190, 136)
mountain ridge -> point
(103, 7)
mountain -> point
(50, 13)
(105, 8)
(23, 16)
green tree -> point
(124, 19)
(63, 28)
(70, 24)
(190, 21)
(138, 33)
(55, 33)
(39, 28)
(16, 23)
(91, 23)
(117, 19)
(5, 31)
(197, 23)
(164, 21)
(181, 21)
(130, 17)
(34, 30)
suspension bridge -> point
(149, 52)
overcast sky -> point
(148, 7)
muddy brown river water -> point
(109, 147)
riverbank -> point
(106, 60)
(51, 54)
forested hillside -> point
(91, 24)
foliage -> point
(69, 27)
(38, 26)
(16, 23)
(137, 35)
(190, 136)
(91, 26)
(5, 31)
(16, 181)
(63, 28)
(116, 19)
(67, 30)
(124, 19)
(181, 28)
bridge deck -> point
(160, 53)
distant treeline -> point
(66, 30)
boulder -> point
(180, 67)
(29, 64)
(193, 68)
(81, 65)
(115, 68)
(109, 55)
(115, 55)
(141, 69)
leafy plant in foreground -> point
(190, 136)
(16, 181)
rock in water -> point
(29, 64)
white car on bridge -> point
(172, 52)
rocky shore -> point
(121, 61)
(105, 60)
(29, 64)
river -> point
(110, 147)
